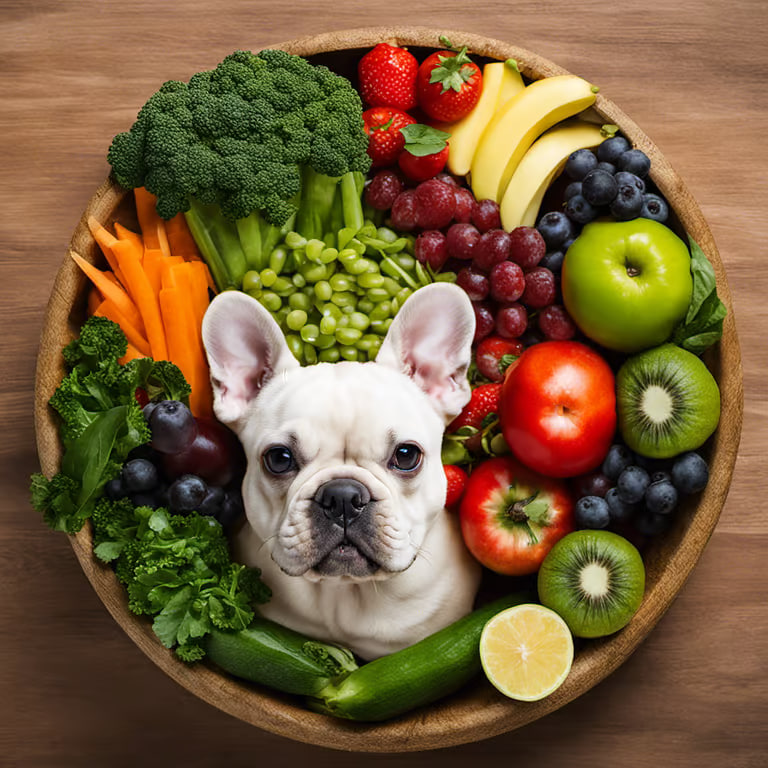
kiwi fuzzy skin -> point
(694, 394)
(559, 579)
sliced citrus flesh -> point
(526, 651)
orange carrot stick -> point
(109, 310)
(105, 240)
(177, 325)
(110, 289)
(94, 300)
(180, 239)
(146, 300)
(148, 216)
(123, 233)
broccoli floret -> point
(101, 341)
(231, 146)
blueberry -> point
(620, 511)
(651, 524)
(573, 189)
(592, 512)
(553, 261)
(173, 427)
(610, 149)
(140, 475)
(624, 177)
(660, 474)
(148, 408)
(654, 207)
(145, 499)
(114, 489)
(231, 509)
(580, 163)
(661, 497)
(618, 458)
(607, 167)
(599, 187)
(555, 228)
(186, 493)
(690, 473)
(635, 161)
(627, 204)
(211, 504)
(579, 210)
(631, 484)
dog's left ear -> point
(245, 349)
(430, 340)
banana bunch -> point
(517, 139)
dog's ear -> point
(245, 348)
(430, 340)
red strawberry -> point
(481, 409)
(457, 481)
(425, 153)
(387, 77)
(448, 85)
(386, 142)
(494, 354)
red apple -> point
(558, 408)
(511, 516)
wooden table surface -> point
(74, 690)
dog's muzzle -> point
(342, 500)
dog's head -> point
(344, 474)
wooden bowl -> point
(478, 711)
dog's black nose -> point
(342, 500)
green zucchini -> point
(277, 657)
(418, 675)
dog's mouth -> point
(346, 559)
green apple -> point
(627, 284)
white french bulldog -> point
(344, 490)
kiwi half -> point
(668, 402)
(595, 580)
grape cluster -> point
(611, 180)
(506, 275)
(191, 464)
(632, 490)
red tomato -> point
(511, 516)
(558, 408)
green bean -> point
(300, 300)
(359, 321)
(343, 298)
(386, 234)
(268, 277)
(391, 286)
(402, 295)
(348, 336)
(271, 301)
(331, 310)
(251, 281)
(283, 286)
(296, 319)
(314, 272)
(381, 326)
(349, 353)
(381, 311)
(330, 355)
(298, 279)
(277, 259)
(405, 261)
(340, 282)
(367, 341)
(309, 333)
(296, 345)
(370, 280)
(323, 290)
(313, 249)
(365, 305)
(327, 255)
(377, 295)
(328, 325)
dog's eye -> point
(278, 460)
(406, 457)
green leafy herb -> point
(703, 324)
(422, 140)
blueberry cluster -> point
(631, 489)
(611, 181)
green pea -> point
(298, 279)
(296, 319)
(381, 311)
(402, 295)
(323, 290)
(347, 336)
(373, 351)
(365, 305)
(310, 354)
(349, 353)
(251, 281)
(277, 259)
(283, 286)
(377, 295)
(386, 234)
(313, 249)
(314, 272)
(268, 277)
(330, 355)
(255, 293)
(381, 326)
(296, 345)
(328, 325)
(347, 255)
(340, 282)
(309, 333)
(344, 298)
(295, 240)
(406, 261)
(370, 280)
(327, 255)
(367, 341)
(325, 341)
(271, 301)
(359, 321)
(331, 310)
(391, 286)
(300, 301)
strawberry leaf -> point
(422, 140)
(453, 72)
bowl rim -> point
(478, 712)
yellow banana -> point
(500, 83)
(539, 167)
(516, 126)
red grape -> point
(485, 215)
(540, 288)
(492, 248)
(465, 202)
(474, 283)
(447, 178)
(484, 322)
(462, 239)
(556, 324)
(507, 281)
(384, 188)
(526, 247)
(511, 320)
(403, 214)
(431, 248)
(435, 204)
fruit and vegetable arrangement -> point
(331, 203)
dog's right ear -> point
(245, 349)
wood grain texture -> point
(74, 690)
